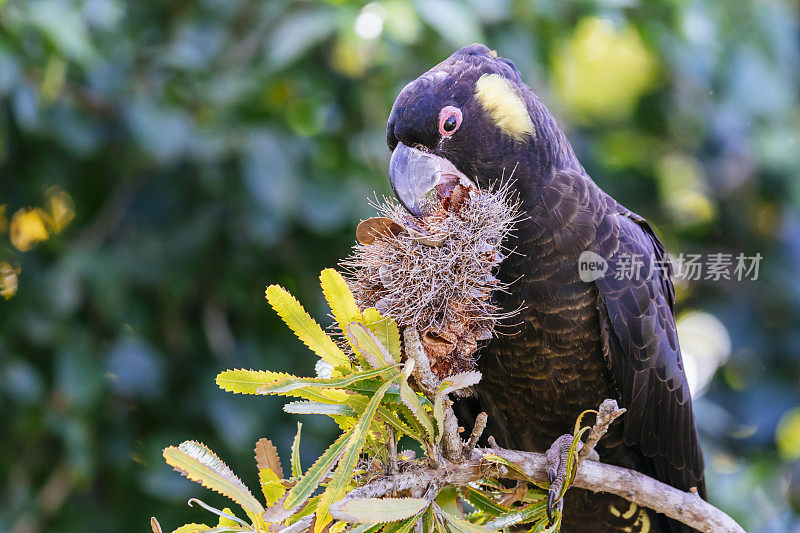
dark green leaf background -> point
(212, 147)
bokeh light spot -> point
(601, 72)
(787, 435)
(369, 23)
(28, 228)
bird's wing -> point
(640, 343)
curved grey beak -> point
(413, 174)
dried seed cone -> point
(437, 273)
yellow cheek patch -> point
(504, 106)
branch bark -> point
(685, 507)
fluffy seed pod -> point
(437, 273)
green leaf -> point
(412, 401)
(297, 470)
(198, 463)
(224, 521)
(385, 329)
(359, 403)
(366, 344)
(339, 298)
(311, 480)
(379, 510)
(318, 408)
(532, 512)
(344, 471)
(288, 385)
(305, 327)
(192, 528)
(365, 528)
(271, 485)
(243, 381)
(482, 501)
(460, 525)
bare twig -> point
(606, 414)
(477, 431)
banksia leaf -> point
(242, 381)
(482, 501)
(378, 510)
(305, 327)
(192, 528)
(224, 521)
(366, 344)
(358, 403)
(459, 525)
(318, 408)
(311, 480)
(288, 385)
(267, 457)
(534, 511)
(271, 485)
(344, 471)
(339, 298)
(412, 401)
(297, 471)
(198, 463)
(402, 527)
(385, 329)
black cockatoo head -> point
(470, 118)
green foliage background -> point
(211, 147)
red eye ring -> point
(449, 120)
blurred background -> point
(161, 162)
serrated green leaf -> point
(359, 403)
(297, 470)
(365, 528)
(544, 526)
(482, 501)
(307, 509)
(385, 329)
(243, 381)
(288, 385)
(271, 485)
(192, 528)
(340, 299)
(226, 522)
(414, 404)
(403, 526)
(379, 510)
(305, 327)
(534, 511)
(459, 524)
(312, 478)
(344, 471)
(366, 344)
(318, 408)
(197, 462)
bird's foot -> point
(557, 457)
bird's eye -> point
(449, 120)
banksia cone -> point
(437, 273)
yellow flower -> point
(28, 228)
(601, 72)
